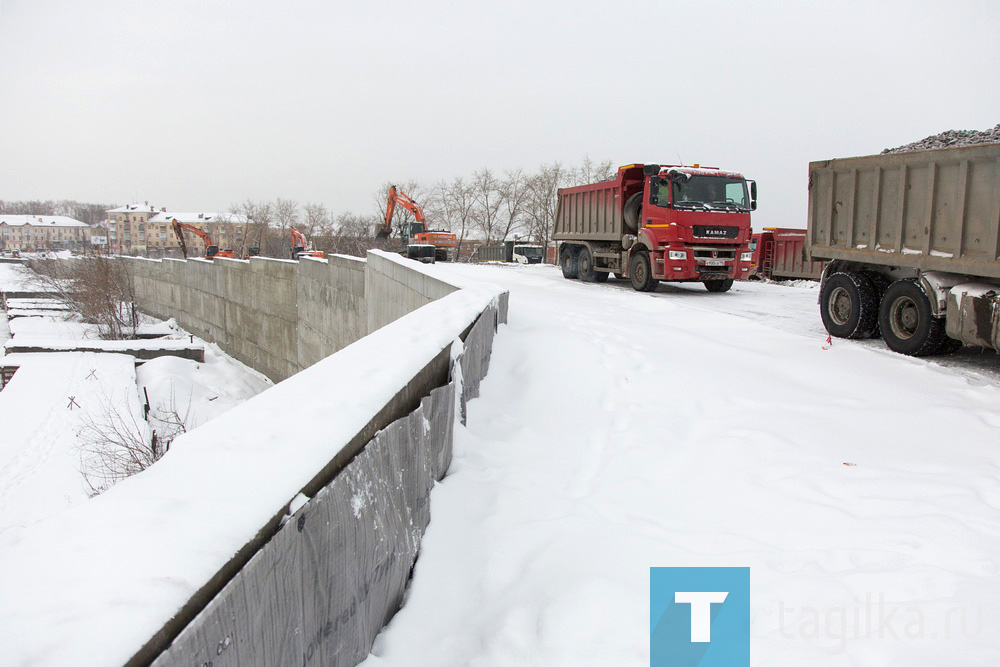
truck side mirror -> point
(650, 169)
(753, 195)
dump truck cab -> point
(659, 222)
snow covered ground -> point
(618, 431)
(45, 411)
(45, 439)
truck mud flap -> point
(974, 315)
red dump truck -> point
(912, 242)
(779, 254)
(654, 222)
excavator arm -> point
(301, 246)
(179, 228)
(403, 199)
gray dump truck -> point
(911, 242)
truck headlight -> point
(746, 256)
(679, 255)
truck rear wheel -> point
(567, 261)
(907, 322)
(641, 273)
(719, 285)
(585, 265)
(849, 305)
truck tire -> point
(585, 265)
(718, 285)
(632, 213)
(907, 322)
(849, 305)
(567, 261)
(641, 273)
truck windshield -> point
(528, 250)
(703, 192)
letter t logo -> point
(701, 612)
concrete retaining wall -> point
(280, 316)
(320, 590)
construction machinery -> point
(301, 246)
(211, 250)
(656, 222)
(415, 232)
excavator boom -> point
(211, 250)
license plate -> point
(715, 262)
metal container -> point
(936, 210)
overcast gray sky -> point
(200, 105)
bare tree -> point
(255, 216)
(285, 214)
(101, 289)
(489, 200)
(515, 191)
(543, 189)
(355, 235)
(317, 221)
(591, 172)
(117, 443)
(460, 199)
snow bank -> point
(140, 550)
(42, 412)
(619, 431)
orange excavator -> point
(415, 233)
(211, 250)
(301, 247)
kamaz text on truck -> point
(653, 223)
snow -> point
(14, 277)
(54, 343)
(615, 431)
(42, 411)
(618, 431)
(141, 549)
(973, 290)
(40, 221)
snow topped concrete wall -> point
(280, 316)
(252, 536)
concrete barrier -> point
(280, 316)
(315, 587)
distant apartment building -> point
(142, 229)
(43, 232)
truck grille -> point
(703, 252)
(716, 232)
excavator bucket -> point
(381, 232)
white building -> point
(43, 232)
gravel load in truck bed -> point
(949, 139)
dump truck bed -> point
(936, 210)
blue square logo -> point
(699, 616)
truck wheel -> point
(907, 323)
(848, 305)
(632, 213)
(641, 274)
(585, 265)
(567, 260)
(719, 285)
